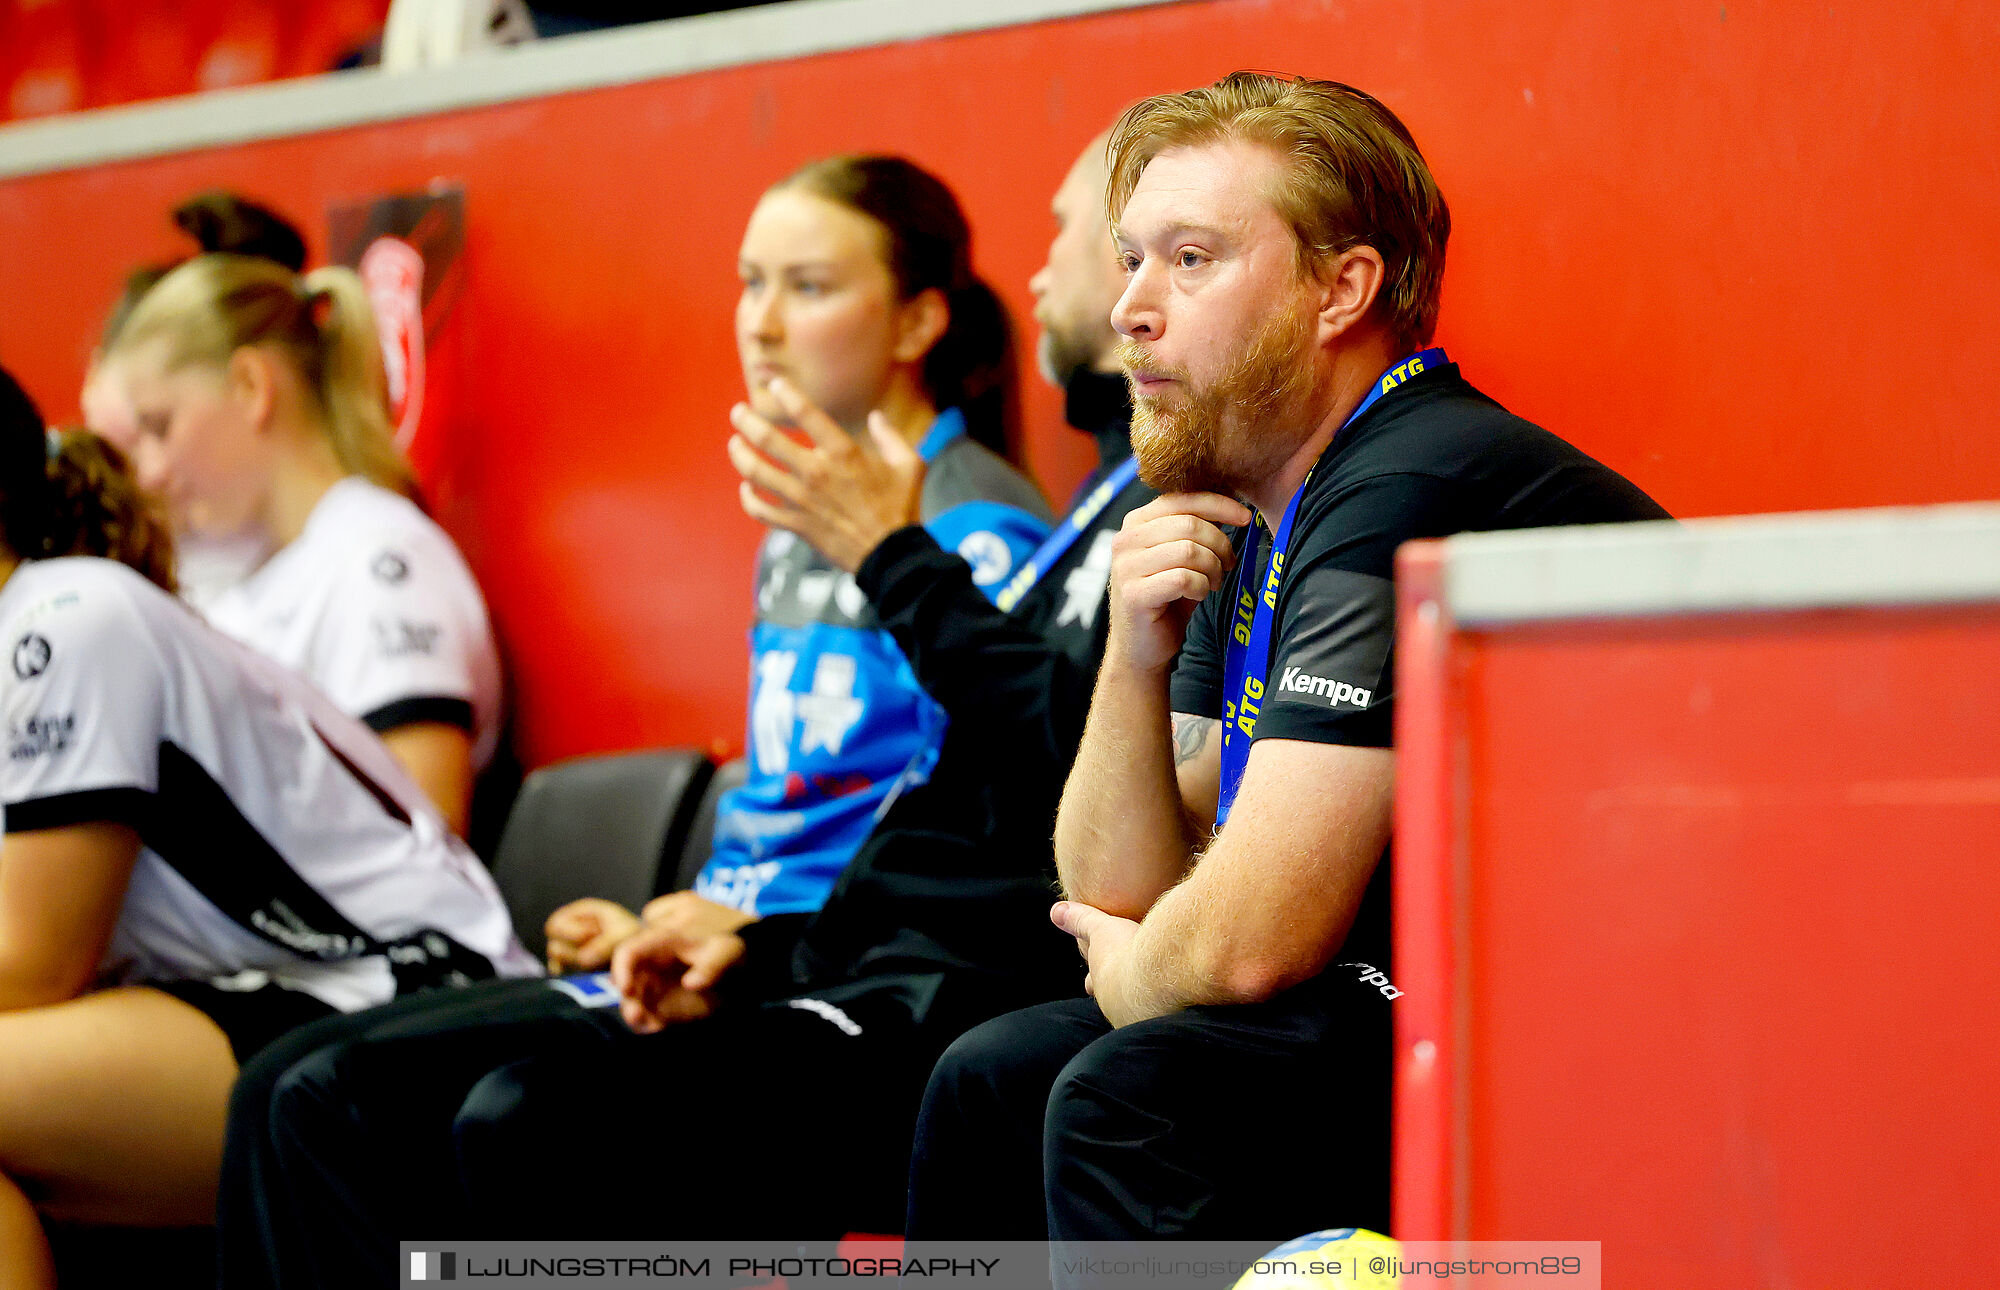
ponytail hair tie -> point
(316, 298)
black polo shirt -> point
(1432, 458)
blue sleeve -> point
(992, 537)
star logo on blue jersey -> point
(31, 656)
(831, 709)
(391, 567)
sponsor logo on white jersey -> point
(41, 736)
(277, 921)
(400, 638)
(31, 656)
(391, 567)
(1334, 692)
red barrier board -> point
(1695, 921)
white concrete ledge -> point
(1893, 556)
(619, 56)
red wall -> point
(1745, 254)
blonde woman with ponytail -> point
(258, 398)
(200, 853)
(217, 221)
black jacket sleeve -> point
(991, 671)
(765, 970)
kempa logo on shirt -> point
(1372, 975)
(1334, 692)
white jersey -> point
(373, 603)
(279, 838)
(205, 566)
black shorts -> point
(250, 1018)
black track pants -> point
(1260, 1121)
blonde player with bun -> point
(258, 398)
(218, 221)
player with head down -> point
(201, 852)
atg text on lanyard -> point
(1059, 542)
(1247, 656)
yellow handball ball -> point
(1350, 1258)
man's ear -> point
(252, 379)
(1349, 292)
(920, 323)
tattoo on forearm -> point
(1191, 736)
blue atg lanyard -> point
(1058, 543)
(1247, 654)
